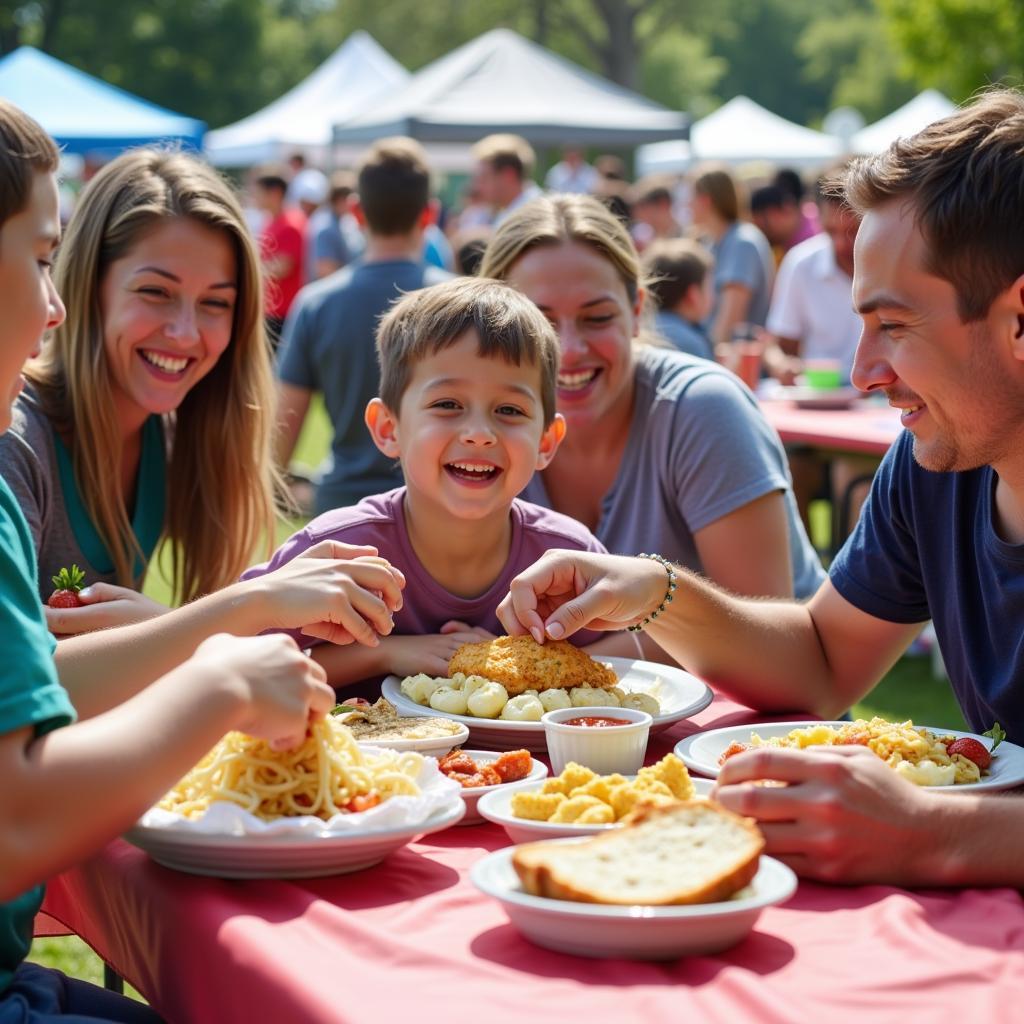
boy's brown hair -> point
(964, 178)
(25, 149)
(672, 267)
(507, 151)
(394, 186)
(507, 324)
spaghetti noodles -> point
(329, 774)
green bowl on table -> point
(823, 376)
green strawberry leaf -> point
(996, 734)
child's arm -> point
(68, 792)
(324, 590)
(396, 655)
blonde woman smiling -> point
(147, 416)
(664, 452)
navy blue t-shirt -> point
(926, 547)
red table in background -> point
(411, 940)
(863, 429)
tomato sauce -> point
(596, 721)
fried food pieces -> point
(519, 663)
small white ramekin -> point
(604, 749)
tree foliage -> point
(222, 59)
(958, 45)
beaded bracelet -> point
(667, 599)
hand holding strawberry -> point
(68, 583)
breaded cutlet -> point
(519, 663)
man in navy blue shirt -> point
(939, 285)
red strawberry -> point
(68, 583)
(972, 749)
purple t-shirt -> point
(427, 606)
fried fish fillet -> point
(519, 663)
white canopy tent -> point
(741, 131)
(909, 119)
(501, 82)
(352, 80)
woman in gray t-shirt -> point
(664, 452)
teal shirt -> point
(150, 497)
(30, 694)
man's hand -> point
(844, 816)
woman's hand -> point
(333, 591)
(565, 591)
(843, 815)
(408, 655)
(103, 605)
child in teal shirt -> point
(71, 787)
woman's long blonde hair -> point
(221, 480)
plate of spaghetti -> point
(328, 807)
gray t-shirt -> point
(29, 463)
(683, 335)
(698, 449)
(328, 346)
(743, 256)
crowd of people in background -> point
(760, 263)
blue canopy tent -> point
(84, 114)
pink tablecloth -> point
(411, 940)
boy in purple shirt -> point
(467, 405)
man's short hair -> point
(394, 185)
(964, 178)
(342, 185)
(272, 178)
(25, 150)
(672, 266)
(508, 325)
(769, 197)
(652, 189)
(789, 183)
(506, 152)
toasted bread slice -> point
(686, 852)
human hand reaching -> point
(565, 591)
(334, 592)
(280, 689)
(102, 605)
(843, 815)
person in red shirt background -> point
(283, 245)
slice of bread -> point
(687, 852)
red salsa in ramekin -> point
(596, 721)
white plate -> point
(680, 695)
(473, 795)
(822, 398)
(496, 806)
(634, 933)
(281, 855)
(429, 746)
(701, 751)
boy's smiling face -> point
(470, 430)
(30, 301)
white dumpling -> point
(592, 697)
(642, 702)
(487, 700)
(530, 693)
(619, 692)
(470, 684)
(553, 699)
(448, 700)
(523, 708)
(456, 682)
(420, 687)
